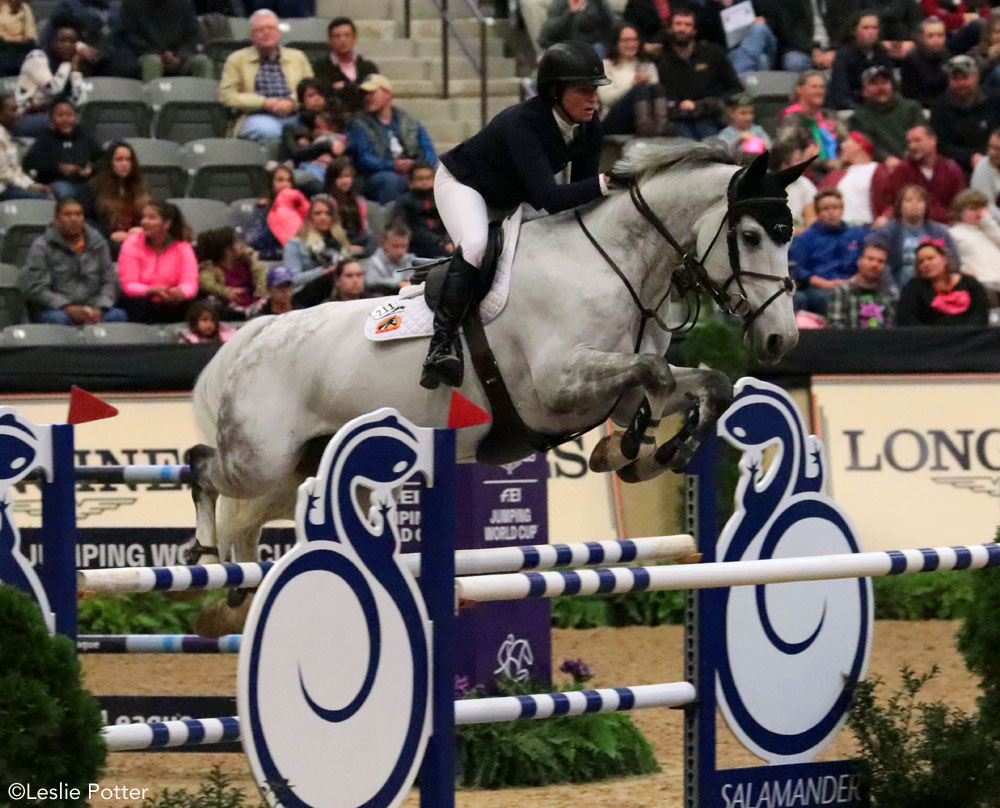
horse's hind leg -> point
(704, 395)
(205, 498)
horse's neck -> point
(640, 251)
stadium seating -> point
(186, 108)
(115, 109)
(308, 34)
(11, 299)
(32, 334)
(162, 165)
(204, 214)
(123, 334)
(226, 169)
(772, 91)
(21, 222)
(243, 211)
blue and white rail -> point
(196, 732)
(518, 586)
(467, 562)
(576, 702)
(157, 644)
(188, 732)
(173, 579)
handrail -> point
(481, 65)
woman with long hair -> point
(157, 267)
(352, 208)
(940, 294)
(987, 56)
(634, 102)
(274, 221)
(907, 228)
(313, 254)
(119, 194)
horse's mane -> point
(643, 157)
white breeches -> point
(464, 214)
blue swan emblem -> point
(348, 542)
(810, 638)
(23, 448)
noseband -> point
(692, 276)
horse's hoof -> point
(674, 457)
(236, 597)
(638, 471)
(606, 449)
(191, 552)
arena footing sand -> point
(635, 655)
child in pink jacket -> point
(157, 268)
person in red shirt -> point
(924, 166)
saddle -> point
(432, 275)
(509, 437)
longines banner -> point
(915, 461)
(143, 525)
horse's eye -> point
(751, 238)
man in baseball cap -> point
(884, 116)
(386, 141)
(963, 117)
(280, 288)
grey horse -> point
(567, 343)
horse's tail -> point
(211, 384)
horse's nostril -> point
(774, 342)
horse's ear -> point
(749, 182)
(787, 176)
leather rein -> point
(691, 276)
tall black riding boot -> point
(444, 363)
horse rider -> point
(514, 159)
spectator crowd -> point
(896, 102)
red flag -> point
(84, 407)
(463, 413)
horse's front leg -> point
(703, 396)
(593, 376)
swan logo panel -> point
(812, 638)
(334, 698)
(24, 447)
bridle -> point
(692, 277)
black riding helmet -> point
(570, 62)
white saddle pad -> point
(407, 315)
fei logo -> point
(334, 670)
(24, 447)
(793, 651)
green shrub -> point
(215, 791)
(979, 641)
(942, 595)
(627, 609)
(49, 725)
(143, 612)
(923, 755)
(576, 749)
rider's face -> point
(580, 102)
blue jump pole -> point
(58, 532)
(700, 626)
(437, 583)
